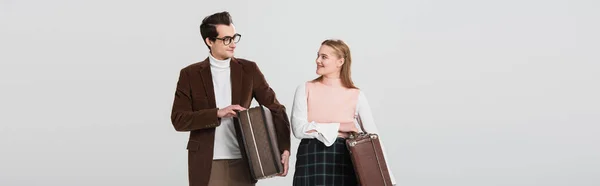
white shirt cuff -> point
(326, 133)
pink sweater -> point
(329, 102)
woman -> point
(323, 116)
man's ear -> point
(209, 42)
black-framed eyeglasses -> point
(227, 39)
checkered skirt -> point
(317, 164)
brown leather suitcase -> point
(259, 141)
(367, 159)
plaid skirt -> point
(317, 164)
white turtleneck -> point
(226, 145)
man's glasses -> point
(228, 39)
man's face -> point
(224, 46)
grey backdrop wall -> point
(464, 92)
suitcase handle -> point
(356, 134)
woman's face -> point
(328, 62)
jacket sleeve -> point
(183, 117)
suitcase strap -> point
(360, 123)
(254, 141)
(379, 162)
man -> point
(206, 100)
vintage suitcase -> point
(259, 141)
(367, 158)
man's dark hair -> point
(208, 28)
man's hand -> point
(285, 159)
(229, 111)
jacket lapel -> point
(207, 81)
(236, 81)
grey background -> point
(465, 92)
